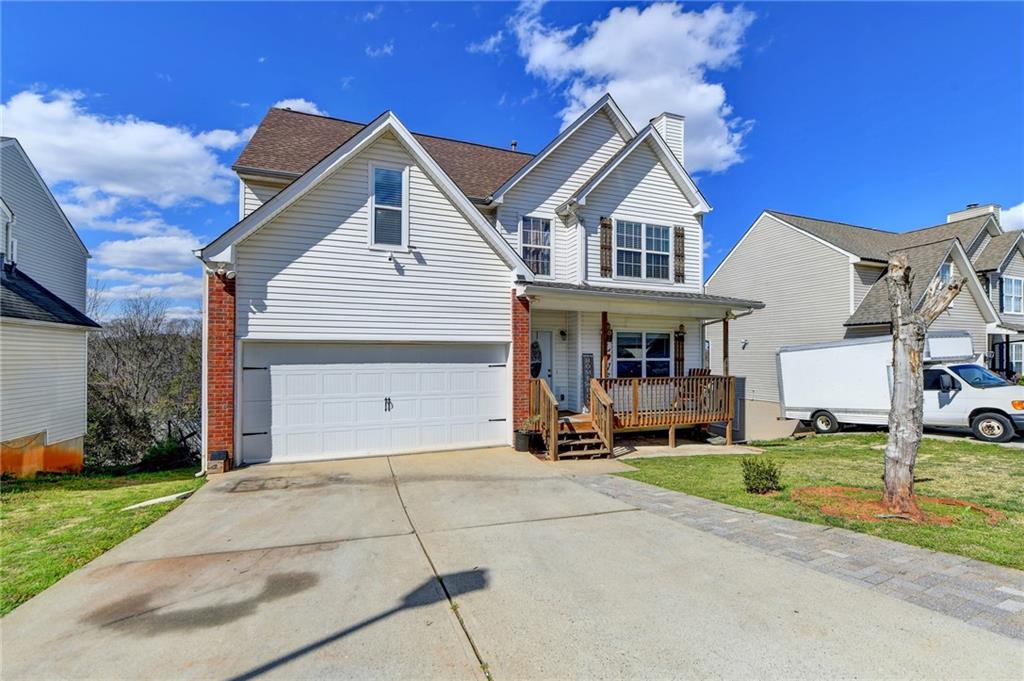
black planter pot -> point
(522, 441)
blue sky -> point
(882, 114)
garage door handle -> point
(388, 405)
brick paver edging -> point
(985, 595)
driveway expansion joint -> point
(969, 590)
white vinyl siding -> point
(308, 274)
(964, 314)
(255, 194)
(1014, 268)
(43, 382)
(562, 373)
(47, 250)
(864, 277)
(805, 286)
(552, 182)
(640, 189)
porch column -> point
(1007, 369)
(220, 366)
(520, 359)
(725, 347)
(605, 338)
(730, 395)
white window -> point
(642, 250)
(946, 272)
(535, 237)
(1013, 295)
(389, 206)
(1016, 358)
(641, 354)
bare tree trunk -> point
(909, 327)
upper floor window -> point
(946, 272)
(642, 250)
(389, 207)
(536, 244)
(1013, 295)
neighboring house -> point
(822, 281)
(43, 326)
(389, 292)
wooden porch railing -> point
(602, 414)
(544, 406)
(641, 403)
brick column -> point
(520, 359)
(220, 365)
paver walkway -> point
(981, 594)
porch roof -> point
(566, 292)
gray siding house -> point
(821, 280)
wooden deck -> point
(631, 404)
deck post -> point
(725, 347)
(672, 437)
(604, 345)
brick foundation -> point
(220, 365)
(520, 359)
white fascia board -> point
(48, 325)
(619, 120)
(46, 190)
(667, 158)
(219, 249)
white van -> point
(850, 382)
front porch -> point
(606, 361)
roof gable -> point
(221, 248)
(288, 143)
(925, 261)
(606, 104)
(10, 142)
(665, 156)
(998, 251)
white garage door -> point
(303, 402)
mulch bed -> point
(855, 503)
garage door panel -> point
(314, 411)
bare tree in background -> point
(144, 383)
(906, 418)
(97, 302)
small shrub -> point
(166, 455)
(761, 476)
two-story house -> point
(43, 326)
(385, 291)
(823, 281)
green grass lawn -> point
(54, 524)
(986, 474)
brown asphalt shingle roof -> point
(995, 252)
(291, 142)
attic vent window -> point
(389, 207)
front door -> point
(540, 356)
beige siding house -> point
(822, 281)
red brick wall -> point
(520, 359)
(220, 365)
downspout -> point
(202, 410)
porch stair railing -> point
(544, 405)
(602, 414)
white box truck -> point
(850, 382)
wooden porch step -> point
(581, 442)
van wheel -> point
(824, 422)
(992, 427)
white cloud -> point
(159, 253)
(373, 14)
(226, 139)
(173, 285)
(385, 50)
(261, 60)
(183, 312)
(652, 60)
(1012, 217)
(488, 45)
(300, 104)
(124, 156)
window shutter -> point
(679, 241)
(1001, 294)
(606, 247)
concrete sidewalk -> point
(330, 570)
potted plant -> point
(525, 433)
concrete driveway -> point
(330, 571)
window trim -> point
(1005, 297)
(550, 246)
(671, 359)
(948, 268)
(371, 233)
(1020, 347)
(670, 279)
